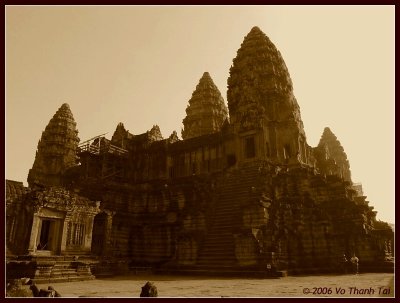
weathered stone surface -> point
(45, 223)
(56, 151)
(121, 136)
(331, 158)
(16, 211)
(69, 218)
(173, 137)
(258, 79)
(206, 111)
(155, 134)
(260, 97)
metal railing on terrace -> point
(100, 145)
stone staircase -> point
(50, 269)
(218, 250)
(64, 271)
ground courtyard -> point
(361, 285)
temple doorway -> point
(99, 230)
(49, 235)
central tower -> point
(262, 107)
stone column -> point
(107, 233)
(64, 234)
(275, 154)
(34, 232)
(169, 167)
(87, 245)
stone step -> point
(224, 227)
(220, 236)
(207, 252)
(69, 265)
(208, 248)
(223, 234)
(64, 272)
(218, 256)
(218, 262)
(219, 245)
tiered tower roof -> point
(206, 111)
(121, 136)
(331, 156)
(259, 84)
(56, 150)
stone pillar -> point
(87, 245)
(107, 233)
(170, 167)
(34, 232)
(65, 234)
(275, 154)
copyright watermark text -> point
(340, 291)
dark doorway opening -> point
(231, 160)
(44, 240)
(99, 232)
(49, 235)
(250, 147)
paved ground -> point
(362, 285)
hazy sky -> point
(139, 65)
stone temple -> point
(242, 192)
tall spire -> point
(120, 136)
(331, 158)
(206, 111)
(258, 79)
(260, 96)
(56, 150)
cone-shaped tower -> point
(260, 97)
(121, 136)
(56, 149)
(206, 111)
(330, 156)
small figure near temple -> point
(149, 290)
(344, 264)
(354, 262)
(56, 293)
(41, 293)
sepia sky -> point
(140, 64)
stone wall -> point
(150, 222)
(19, 216)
